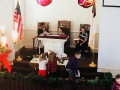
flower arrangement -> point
(4, 49)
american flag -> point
(18, 20)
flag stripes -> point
(18, 20)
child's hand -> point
(80, 44)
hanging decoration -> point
(86, 3)
(44, 2)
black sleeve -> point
(40, 31)
(79, 35)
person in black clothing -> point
(60, 31)
(41, 27)
(72, 65)
(81, 45)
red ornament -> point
(86, 3)
(44, 2)
(68, 79)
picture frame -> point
(111, 3)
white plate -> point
(76, 39)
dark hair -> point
(83, 28)
(41, 24)
(117, 76)
(42, 55)
(77, 52)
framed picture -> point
(111, 3)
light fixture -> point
(14, 36)
(3, 38)
(2, 28)
(3, 41)
(4, 49)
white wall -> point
(6, 18)
(57, 10)
(109, 43)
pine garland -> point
(107, 80)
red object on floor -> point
(42, 72)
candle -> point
(2, 27)
(14, 36)
(3, 41)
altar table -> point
(54, 43)
(34, 63)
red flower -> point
(6, 45)
(68, 79)
(9, 51)
(85, 80)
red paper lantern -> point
(44, 2)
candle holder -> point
(3, 39)
(19, 58)
(2, 28)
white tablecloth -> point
(55, 45)
(36, 60)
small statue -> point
(36, 56)
(43, 54)
(61, 60)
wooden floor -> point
(85, 62)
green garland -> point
(107, 80)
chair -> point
(66, 30)
(87, 28)
(38, 25)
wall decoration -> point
(111, 3)
(44, 2)
(85, 3)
